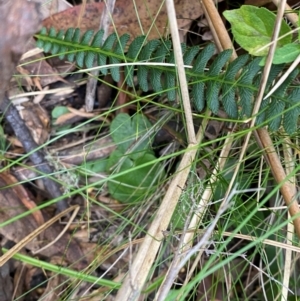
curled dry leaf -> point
(125, 18)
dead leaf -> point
(14, 35)
(125, 18)
(6, 286)
(23, 195)
(54, 288)
(11, 206)
(37, 121)
(36, 66)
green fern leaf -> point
(159, 56)
(189, 56)
(86, 38)
(228, 95)
(98, 39)
(198, 96)
(118, 49)
(246, 87)
(108, 45)
(48, 45)
(89, 59)
(292, 113)
(40, 43)
(274, 113)
(56, 48)
(212, 94)
(133, 51)
(205, 84)
(76, 36)
(261, 116)
(213, 87)
(276, 108)
(265, 112)
(80, 58)
(142, 72)
(69, 34)
(90, 56)
(202, 59)
(199, 65)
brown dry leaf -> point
(6, 286)
(37, 121)
(23, 195)
(53, 289)
(125, 18)
(19, 21)
(37, 66)
(11, 206)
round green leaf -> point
(137, 184)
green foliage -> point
(133, 154)
(57, 112)
(211, 86)
(252, 28)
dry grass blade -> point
(290, 166)
(181, 72)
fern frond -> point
(231, 85)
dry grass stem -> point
(289, 168)
(181, 72)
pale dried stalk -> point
(224, 40)
(144, 259)
(222, 35)
(292, 17)
(289, 167)
(181, 71)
